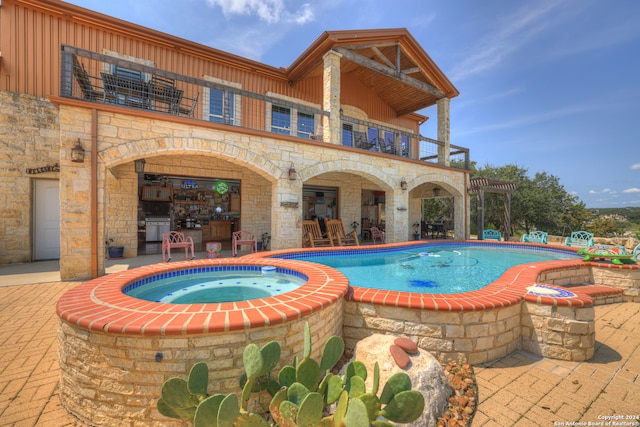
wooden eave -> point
(388, 61)
(115, 25)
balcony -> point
(108, 79)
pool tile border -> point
(510, 289)
(100, 304)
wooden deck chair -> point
(335, 228)
(312, 236)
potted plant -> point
(416, 230)
(114, 251)
(266, 239)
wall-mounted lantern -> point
(292, 173)
(403, 183)
(77, 153)
(436, 192)
(139, 165)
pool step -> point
(601, 294)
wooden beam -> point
(380, 55)
(411, 70)
(387, 71)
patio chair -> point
(536, 237)
(241, 238)
(312, 236)
(582, 239)
(84, 80)
(335, 228)
(491, 234)
(376, 234)
(189, 109)
(176, 240)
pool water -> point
(434, 269)
(216, 287)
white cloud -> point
(631, 190)
(635, 166)
(604, 191)
(270, 11)
(513, 32)
(534, 118)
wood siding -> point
(31, 37)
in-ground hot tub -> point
(116, 351)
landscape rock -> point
(407, 345)
(399, 356)
(426, 373)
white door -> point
(46, 220)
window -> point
(281, 120)
(404, 145)
(221, 107)
(347, 134)
(305, 125)
(372, 134)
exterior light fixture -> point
(403, 183)
(292, 173)
(139, 165)
(77, 153)
(436, 191)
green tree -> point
(540, 203)
(605, 227)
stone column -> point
(286, 216)
(397, 225)
(75, 211)
(444, 131)
(332, 128)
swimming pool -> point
(443, 268)
(216, 285)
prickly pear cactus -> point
(301, 393)
(180, 398)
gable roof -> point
(388, 61)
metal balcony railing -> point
(102, 78)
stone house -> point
(106, 125)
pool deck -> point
(518, 390)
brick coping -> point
(100, 304)
(510, 289)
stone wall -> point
(623, 277)
(30, 138)
(37, 134)
(565, 333)
(261, 163)
(119, 380)
(476, 336)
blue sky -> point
(550, 85)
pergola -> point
(492, 185)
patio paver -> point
(518, 390)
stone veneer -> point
(112, 379)
(475, 336)
(115, 351)
(196, 148)
(30, 139)
(559, 332)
